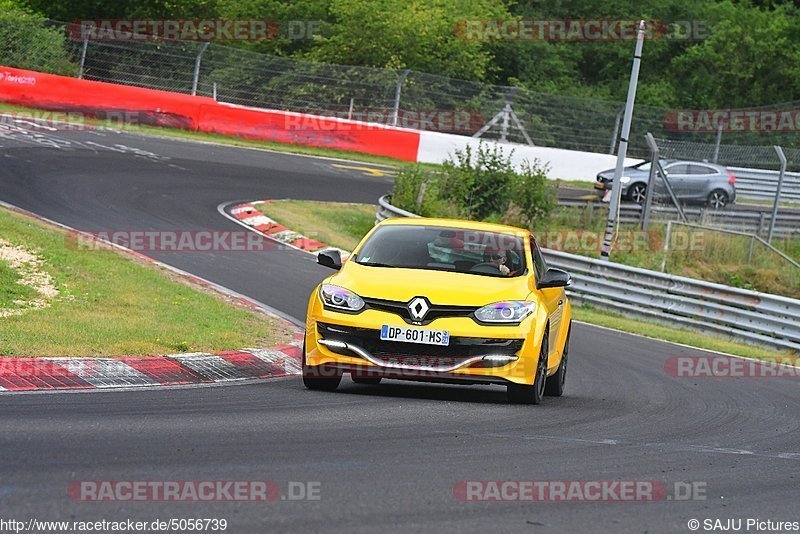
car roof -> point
(457, 223)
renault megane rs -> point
(444, 301)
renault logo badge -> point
(418, 307)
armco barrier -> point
(751, 221)
(757, 318)
(48, 91)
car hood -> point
(440, 287)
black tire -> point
(367, 380)
(320, 377)
(555, 384)
(525, 394)
(637, 193)
(718, 199)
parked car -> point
(692, 181)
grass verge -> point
(109, 304)
(339, 224)
(352, 228)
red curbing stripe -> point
(306, 243)
(164, 371)
(253, 366)
(274, 229)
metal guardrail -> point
(757, 318)
(753, 222)
(760, 184)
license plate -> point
(407, 334)
(598, 185)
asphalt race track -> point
(386, 457)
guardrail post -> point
(782, 157)
(196, 77)
(750, 252)
(666, 246)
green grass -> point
(307, 217)
(339, 224)
(675, 335)
(112, 305)
(10, 289)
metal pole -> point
(504, 124)
(350, 111)
(214, 89)
(651, 180)
(197, 67)
(782, 157)
(750, 253)
(666, 246)
(616, 190)
(615, 133)
(83, 54)
(668, 185)
(397, 92)
(715, 157)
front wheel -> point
(638, 193)
(525, 394)
(555, 384)
(320, 377)
(718, 199)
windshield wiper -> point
(374, 264)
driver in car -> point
(497, 258)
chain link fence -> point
(259, 80)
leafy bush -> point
(480, 184)
(25, 43)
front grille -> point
(435, 312)
(459, 349)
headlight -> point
(625, 179)
(508, 312)
(339, 298)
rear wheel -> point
(525, 394)
(718, 199)
(320, 377)
(555, 384)
(638, 193)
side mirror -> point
(555, 278)
(330, 258)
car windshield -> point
(444, 249)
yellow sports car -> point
(443, 301)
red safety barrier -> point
(309, 130)
(175, 110)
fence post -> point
(666, 246)
(651, 180)
(197, 67)
(782, 157)
(397, 92)
(750, 253)
(84, 49)
(615, 133)
(715, 157)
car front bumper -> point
(476, 354)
